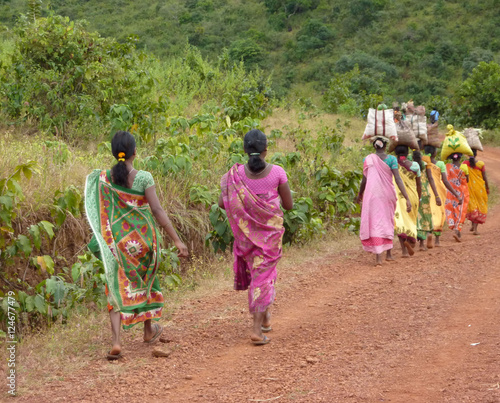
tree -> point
(476, 56)
(246, 50)
(480, 97)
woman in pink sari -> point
(251, 196)
(378, 197)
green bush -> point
(61, 73)
(480, 97)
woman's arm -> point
(418, 181)
(430, 178)
(286, 196)
(402, 188)
(361, 190)
(450, 188)
(486, 182)
(163, 220)
(221, 202)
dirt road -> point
(425, 329)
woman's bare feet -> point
(257, 335)
(409, 248)
(388, 256)
(437, 244)
(266, 323)
(152, 332)
(117, 349)
(430, 245)
(115, 352)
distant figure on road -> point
(438, 171)
(479, 190)
(406, 220)
(434, 116)
(456, 207)
(251, 196)
(377, 196)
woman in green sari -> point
(120, 204)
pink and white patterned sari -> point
(257, 224)
(379, 204)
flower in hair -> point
(121, 156)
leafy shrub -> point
(14, 245)
(313, 35)
(480, 95)
(476, 56)
(222, 236)
(60, 72)
(247, 51)
(253, 101)
(339, 90)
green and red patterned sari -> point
(128, 243)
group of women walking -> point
(414, 199)
(411, 198)
(121, 206)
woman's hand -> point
(488, 191)
(183, 250)
(408, 205)
(460, 199)
(438, 201)
(358, 199)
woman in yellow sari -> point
(479, 190)
(405, 223)
(438, 170)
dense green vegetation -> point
(404, 49)
(75, 88)
(221, 68)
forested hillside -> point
(403, 48)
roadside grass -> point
(491, 137)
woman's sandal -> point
(265, 340)
(113, 357)
(158, 332)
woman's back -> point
(142, 181)
(265, 185)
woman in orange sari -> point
(479, 190)
(456, 209)
(438, 171)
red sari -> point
(455, 212)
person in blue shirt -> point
(434, 115)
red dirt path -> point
(344, 331)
